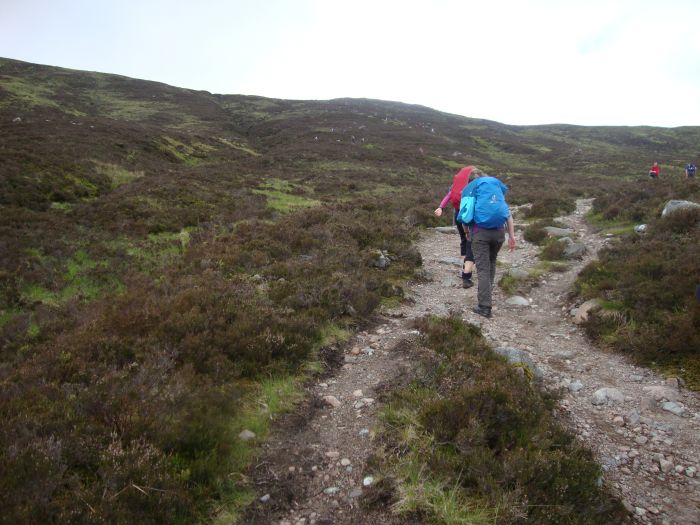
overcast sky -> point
(589, 62)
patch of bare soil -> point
(312, 471)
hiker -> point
(655, 171)
(454, 194)
(490, 218)
(690, 170)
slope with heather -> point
(171, 260)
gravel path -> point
(312, 470)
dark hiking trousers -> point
(465, 247)
(486, 245)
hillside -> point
(87, 153)
(170, 259)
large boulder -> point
(674, 205)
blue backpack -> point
(484, 203)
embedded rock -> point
(558, 232)
(674, 205)
(607, 396)
(520, 358)
(583, 310)
(517, 300)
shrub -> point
(535, 232)
(652, 280)
(553, 250)
(551, 207)
(472, 433)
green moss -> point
(62, 206)
(191, 155)
(605, 226)
(332, 333)
(33, 93)
(449, 163)
(117, 174)
(268, 399)
(7, 314)
(79, 280)
(281, 200)
(239, 146)
(117, 106)
(89, 187)
(33, 331)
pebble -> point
(604, 396)
(345, 462)
(355, 493)
(641, 440)
(331, 490)
(633, 417)
(367, 481)
(331, 401)
(674, 408)
(246, 435)
(665, 466)
(333, 454)
(618, 421)
(357, 393)
(265, 498)
(575, 386)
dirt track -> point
(312, 470)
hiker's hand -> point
(438, 212)
(511, 243)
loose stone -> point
(331, 401)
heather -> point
(173, 263)
(473, 440)
(646, 282)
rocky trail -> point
(643, 428)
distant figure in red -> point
(655, 171)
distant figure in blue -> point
(690, 170)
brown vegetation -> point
(162, 250)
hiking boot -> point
(467, 283)
(482, 310)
